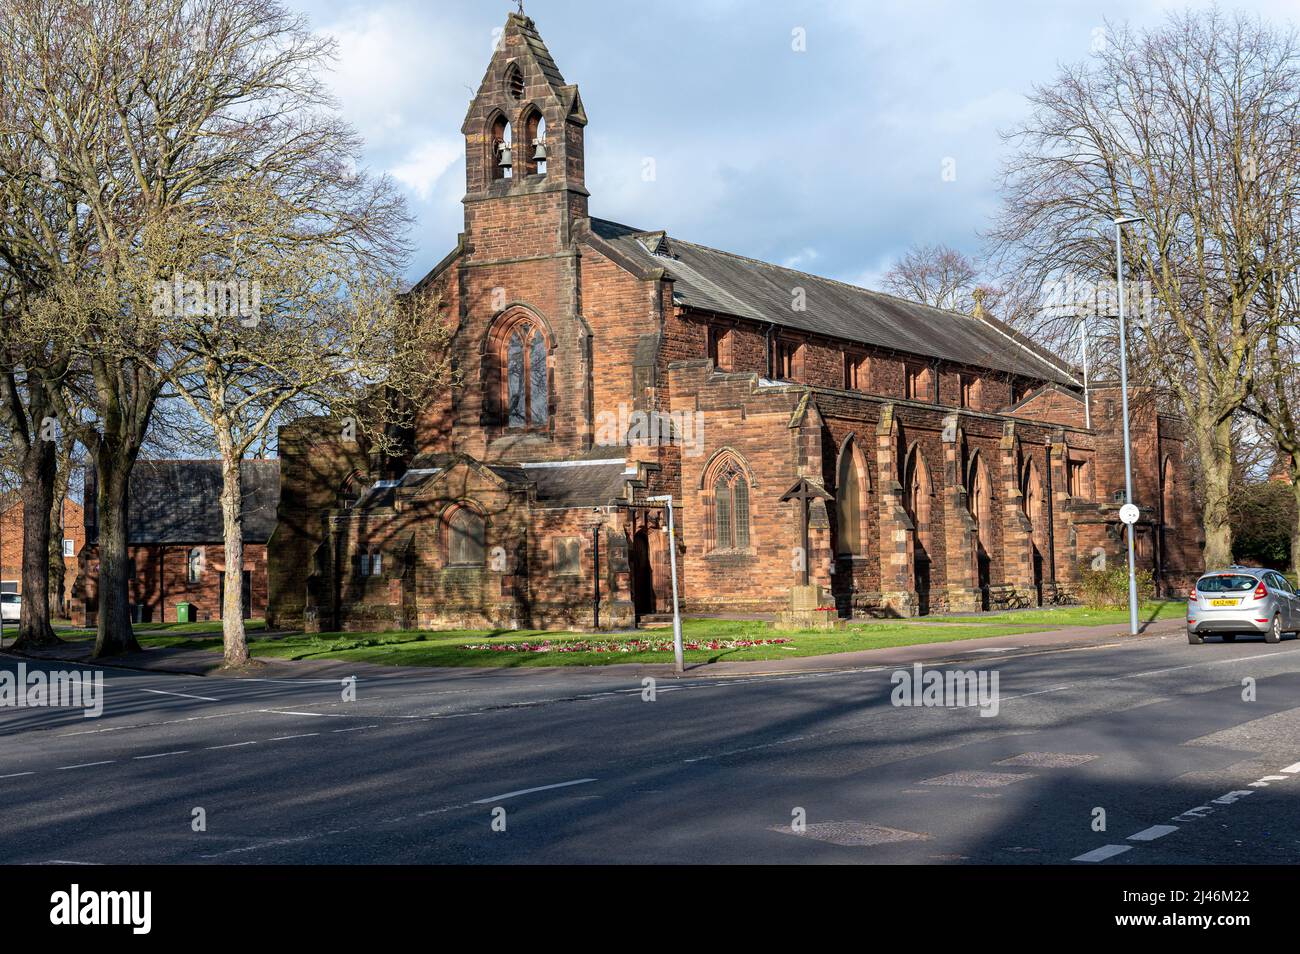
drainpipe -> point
(595, 576)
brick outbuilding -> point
(11, 543)
(175, 541)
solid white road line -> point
(183, 695)
(1154, 832)
(529, 791)
(1102, 853)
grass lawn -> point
(448, 648)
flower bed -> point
(621, 646)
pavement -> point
(1096, 749)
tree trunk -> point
(1295, 527)
(232, 602)
(58, 579)
(1216, 475)
(38, 473)
(113, 633)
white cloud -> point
(425, 165)
(397, 71)
(802, 259)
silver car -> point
(1242, 599)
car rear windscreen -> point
(1226, 583)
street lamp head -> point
(1129, 220)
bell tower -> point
(524, 159)
(520, 275)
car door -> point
(1293, 601)
(1287, 601)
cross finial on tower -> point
(521, 7)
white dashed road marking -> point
(64, 768)
(286, 738)
(1189, 816)
(183, 695)
(160, 755)
(1102, 853)
(529, 791)
(1154, 832)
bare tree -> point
(165, 115)
(1193, 127)
(1275, 403)
(67, 461)
(934, 275)
(40, 238)
(329, 330)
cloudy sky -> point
(831, 159)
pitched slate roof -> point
(712, 280)
(578, 484)
(594, 480)
(179, 501)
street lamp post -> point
(667, 501)
(1123, 388)
(1087, 403)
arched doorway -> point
(1031, 489)
(917, 493)
(979, 497)
(852, 486)
(643, 577)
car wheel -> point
(1274, 634)
(1194, 639)
(1229, 637)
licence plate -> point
(1223, 602)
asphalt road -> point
(577, 766)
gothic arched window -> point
(850, 493)
(525, 379)
(466, 538)
(979, 497)
(918, 489)
(1031, 491)
(726, 491)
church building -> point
(897, 458)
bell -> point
(506, 159)
(539, 154)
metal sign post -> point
(1123, 385)
(678, 656)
